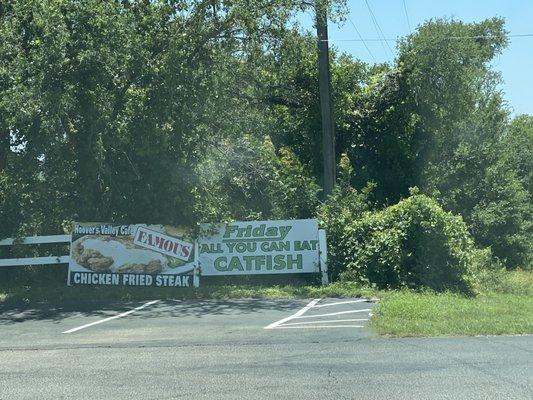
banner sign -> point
(131, 255)
(259, 247)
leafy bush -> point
(498, 279)
(502, 219)
(292, 191)
(414, 244)
(480, 181)
(247, 179)
(342, 207)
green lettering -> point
(218, 264)
(260, 262)
(259, 231)
(303, 245)
(248, 261)
(235, 263)
(229, 230)
(284, 231)
(272, 231)
(279, 262)
(292, 262)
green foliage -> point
(294, 103)
(340, 209)
(517, 149)
(102, 117)
(384, 136)
(500, 280)
(293, 192)
(233, 179)
(292, 100)
(449, 77)
(503, 218)
(481, 186)
(248, 179)
(414, 243)
(407, 119)
(462, 134)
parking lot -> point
(180, 323)
(249, 349)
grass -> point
(503, 305)
(430, 314)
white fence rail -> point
(17, 262)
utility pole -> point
(324, 82)
(4, 147)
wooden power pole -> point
(324, 82)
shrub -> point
(292, 191)
(491, 276)
(248, 179)
(414, 244)
(502, 219)
(342, 207)
(481, 182)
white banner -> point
(259, 247)
(131, 255)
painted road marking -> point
(325, 322)
(111, 318)
(295, 315)
(329, 323)
(331, 314)
(319, 326)
(341, 302)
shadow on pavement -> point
(12, 314)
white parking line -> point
(341, 302)
(111, 318)
(295, 315)
(331, 314)
(319, 326)
(325, 322)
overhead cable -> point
(523, 35)
(361, 39)
(407, 17)
(378, 29)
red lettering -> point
(159, 242)
(170, 246)
(149, 240)
(141, 235)
(175, 248)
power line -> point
(523, 35)
(377, 31)
(378, 28)
(361, 39)
(407, 17)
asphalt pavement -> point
(245, 349)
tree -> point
(463, 122)
(517, 149)
(294, 103)
(106, 108)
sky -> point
(515, 63)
